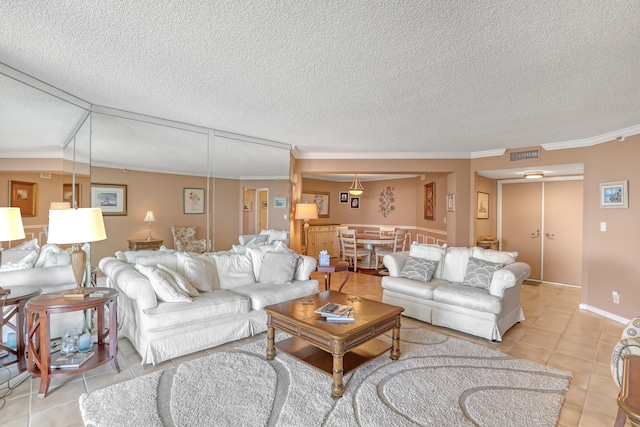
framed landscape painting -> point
(614, 195)
(111, 198)
(23, 195)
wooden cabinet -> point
(323, 237)
(143, 244)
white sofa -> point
(232, 290)
(472, 290)
(273, 236)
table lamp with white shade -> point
(76, 227)
(149, 219)
(10, 226)
(306, 211)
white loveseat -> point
(472, 290)
(232, 289)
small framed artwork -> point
(320, 198)
(614, 194)
(344, 197)
(430, 200)
(264, 204)
(193, 200)
(355, 203)
(247, 206)
(111, 198)
(280, 202)
(451, 203)
(67, 194)
(482, 211)
(23, 195)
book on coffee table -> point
(341, 319)
(331, 309)
(70, 360)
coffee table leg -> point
(271, 347)
(395, 340)
(337, 388)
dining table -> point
(369, 240)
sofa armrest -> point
(306, 266)
(508, 276)
(394, 262)
(130, 282)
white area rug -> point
(438, 381)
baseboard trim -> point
(603, 313)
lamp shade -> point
(149, 217)
(73, 226)
(306, 211)
(10, 224)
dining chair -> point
(398, 246)
(387, 231)
(351, 251)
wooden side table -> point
(629, 397)
(144, 244)
(39, 310)
(333, 268)
(16, 300)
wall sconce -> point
(76, 227)
(149, 218)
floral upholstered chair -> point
(184, 239)
(629, 344)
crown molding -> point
(594, 140)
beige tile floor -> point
(556, 332)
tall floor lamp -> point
(76, 227)
(306, 211)
(10, 226)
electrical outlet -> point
(603, 226)
(616, 297)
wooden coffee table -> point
(335, 349)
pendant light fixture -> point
(356, 188)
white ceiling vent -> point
(524, 155)
(45, 175)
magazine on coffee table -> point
(331, 309)
(70, 360)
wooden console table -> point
(144, 244)
(629, 397)
(39, 310)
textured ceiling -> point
(332, 78)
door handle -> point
(535, 235)
(550, 236)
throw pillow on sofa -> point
(479, 273)
(199, 270)
(181, 281)
(278, 267)
(163, 285)
(500, 257)
(429, 252)
(418, 269)
(233, 270)
(19, 259)
(57, 258)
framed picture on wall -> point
(247, 206)
(23, 195)
(482, 211)
(320, 198)
(614, 195)
(280, 202)
(451, 203)
(429, 200)
(355, 203)
(344, 197)
(67, 194)
(111, 198)
(193, 200)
